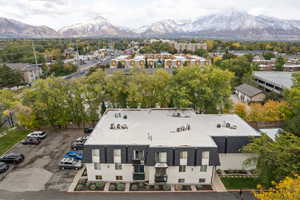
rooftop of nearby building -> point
(271, 132)
(166, 128)
(283, 79)
(22, 66)
(248, 90)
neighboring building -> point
(189, 47)
(291, 67)
(249, 94)
(165, 146)
(164, 60)
(274, 81)
(272, 133)
(30, 72)
(263, 64)
(70, 53)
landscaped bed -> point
(11, 138)
(84, 185)
(145, 187)
(117, 187)
(240, 183)
(203, 187)
(183, 188)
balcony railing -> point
(161, 179)
(138, 176)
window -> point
(183, 154)
(201, 180)
(182, 168)
(181, 180)
(96, 155)
(97, 166)
(119, 178)
(203, 168)
(205, 155)
(98, 177)
(118, 166)
(117, 155)
(161, 157)
(138, 155)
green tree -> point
(10, 77)
(275, 159)
(268, 55)
(201, 53)
(279, 64)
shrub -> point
(166, 187)
(120, 186)
(134, 187)
(112, 187)
(178, 187)
(82, 181)
(100, 185)
(92, 186)
(79, 187)
(147, 187)
(156, 187)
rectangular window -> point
(182, 168)
(98, 177)
(118, 166)
(117, 155)
(138, 155)
(161, 157)
(203, 168)
(96, 155)
(201, 180)
(97, 166)
(205, 155)
(181, 180)
(119, 178)
(183, 154)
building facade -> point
(165, 146)
(157, 61)
(30, 72)
(249, 94)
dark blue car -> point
(74, 154)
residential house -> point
(249, 94)
(30, 72)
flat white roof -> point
(283, 79)
(158, 128)
(271, 132)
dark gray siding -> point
(231, 144)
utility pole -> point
(34, 53)
(77, 51)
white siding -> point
(234, 161)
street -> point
(55, 195)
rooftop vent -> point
(118, 126)
(178, 114)
(226, 125)
(183, 128)
(118, 115)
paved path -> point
(55, 195)
(218, 185)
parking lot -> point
(39, 170)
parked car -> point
(78, 143)
(3, 167)
(38, 134)
(88, 130)
(12, 158)
(73, 154)
(31, 140)
(70, 163)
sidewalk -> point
(217, 184)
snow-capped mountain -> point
(98, 26)
(13, 28)
(228, 24)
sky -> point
(135, 13)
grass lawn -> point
(240, 183)
(11, 139)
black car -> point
(3, 167)
(31, 140)
(12, 158)
(78, 143)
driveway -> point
(39, 171)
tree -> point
(287, 189)
(268, 55)
(10, 77)
(275, 159)
(292, 97)
(62, 69)
(201, 53)
(241, 110)
(279, 64)
(205, 89)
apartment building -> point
(190, 47)
(165, 146)
(163, 60)
(263, 64)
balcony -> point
(137, 176)
(161, 179)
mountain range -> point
(227, 24)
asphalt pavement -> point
(55, 195)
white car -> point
(70, 163)
(38, 134)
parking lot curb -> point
(143, 192)
(75, 180)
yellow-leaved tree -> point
(287, 189)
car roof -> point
(36, 132)
(3, 163)
(67, 160)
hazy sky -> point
(134, 13)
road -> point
(55, 195)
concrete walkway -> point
(217, 184)
(75, 180)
